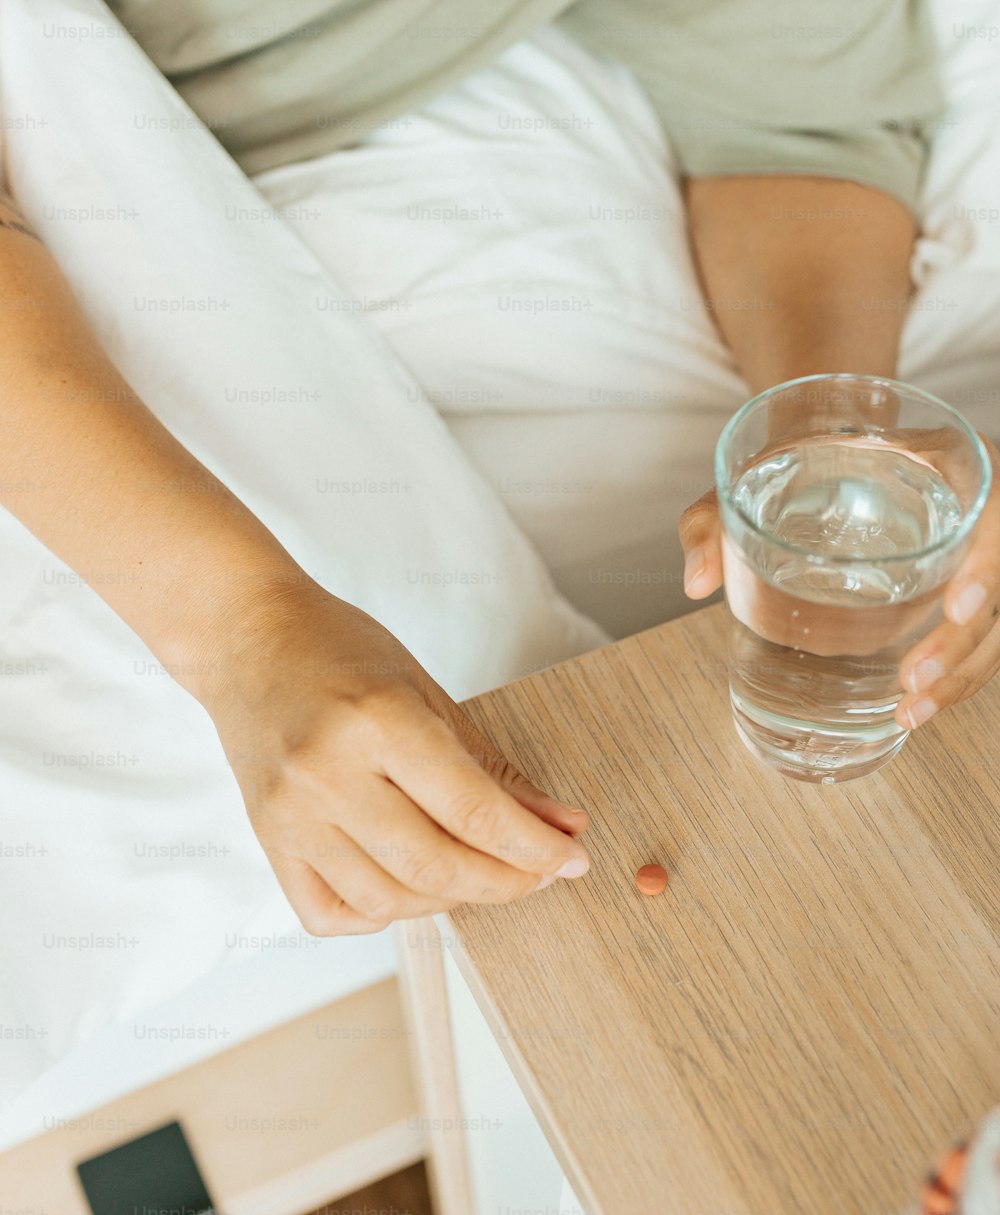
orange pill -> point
(651, 879)
(935, 1201)
(952, 1170)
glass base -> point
(821, 754)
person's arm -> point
(374, 797)
(87, 468)
(826, 264)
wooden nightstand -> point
(812, 1009)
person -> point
(424, 811)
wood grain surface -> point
(810, 1013)
(424, 993)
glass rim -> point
(969, 520)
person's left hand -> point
(954, 660)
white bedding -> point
(561, 437)
(130, 859)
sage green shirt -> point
(741, 86)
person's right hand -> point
(372, 793)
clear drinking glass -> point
(847, 503)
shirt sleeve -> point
(848, 90)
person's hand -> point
(962, 654)
(372, 793)
(954, 660)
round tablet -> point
(952, 1170)
(934, 1201)
(651, 879)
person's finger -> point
(701, 538)
(559, 814)
(425, 759)
(363, 876)
(423, 857)
(961, 654)
(321, 911)
(965, 680)
(941, 651)
(975, 588)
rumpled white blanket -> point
(127, 860)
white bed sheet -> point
(128, 864)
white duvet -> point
(128, 864)
(437, 413)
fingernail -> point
(918, 713)
(968, 603)
(924, 674)
(546, 881)
(574, 868)
(694, 565)
(565, 806)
